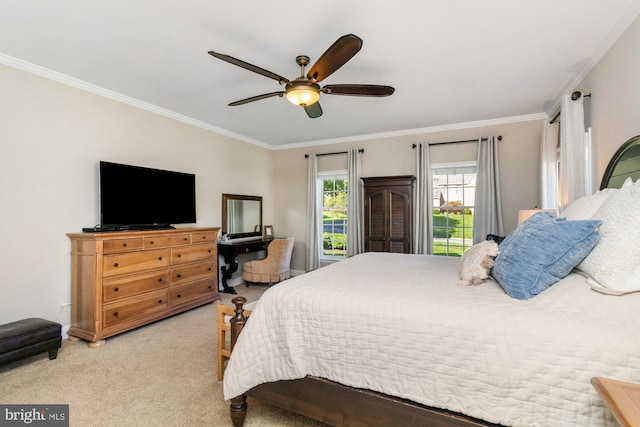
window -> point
(334, 214)
(454, 188)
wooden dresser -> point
(122, 280)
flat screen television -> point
(135, 197)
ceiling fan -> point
(305, 90)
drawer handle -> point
(159, 258)
(115, 314)
(209, 251)
(160, 279)
(159, 301)
(151, 242)
(185, 239)
(209, 269)
(209, 286)
(179, 295)
(115, 264)
(179, 276)
(116, 289)
(179, 256)
(245, 249)
(124, 245)
(204, 237)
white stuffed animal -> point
(476, 262)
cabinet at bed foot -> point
(388, 203)
(123, 280)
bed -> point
(335, 345)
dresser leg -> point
(97, 344)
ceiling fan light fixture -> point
(304, 91)
(303, 95)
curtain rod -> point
(574, 97)
(360, 150)
(455, 142)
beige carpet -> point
(163, 374)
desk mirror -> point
(241, 215)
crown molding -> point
(418, 131)
(632, 13)
(116, 96)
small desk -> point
(622, 398)
(230, 249)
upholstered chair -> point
(272, 269)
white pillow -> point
(613, 266)
(585, 207)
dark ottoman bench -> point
(28, 337)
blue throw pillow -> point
(541, 251)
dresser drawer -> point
(122, 245)
(167, 241)
(207, 236)
(192, 254)
(192, 272)
(121, 287)
(253, 247)
(137, 307)
(134, 262)
(188, 293)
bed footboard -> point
(238, 407)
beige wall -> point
(519, 156)
(614, 106)
(52, 137)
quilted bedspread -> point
(400, 325)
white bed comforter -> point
(399, 324)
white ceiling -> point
(450, 61)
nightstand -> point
(622, 398)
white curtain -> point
(549, 166)
(313, 220)
(589, 180)
(487, 217)
(423, 203)
(355, 208)
(571, 172)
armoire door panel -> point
(376, 214)
(398, 247)
(399, 220)
(376, 246)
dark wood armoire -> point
(388, 210)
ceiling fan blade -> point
(257, 98)
(335, 57)
(314, 110)
(250, 67)
(358, 90)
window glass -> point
(334, 214)
(454, 187)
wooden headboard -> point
(624, 163)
